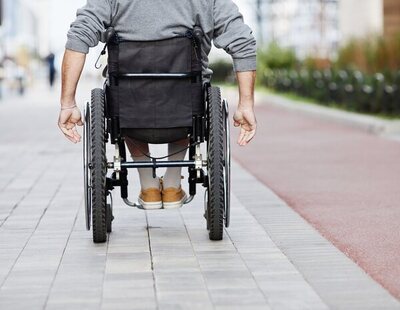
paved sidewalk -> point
(270, 258)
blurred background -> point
(32, 39)
(340, 53)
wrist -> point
(68, 107)
(68, 102)
(246, 104)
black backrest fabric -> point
(154, 103)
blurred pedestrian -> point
(50, 59)
(2, 75)
(20, 78)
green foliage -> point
(372, 54)
(223, 71)
(351, 89)
(347, 57)
(364, 78)
(276, 57)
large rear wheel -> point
(215, 153)
(86, 167)
(98, 166)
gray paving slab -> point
(157, 259)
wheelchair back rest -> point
(155, 84)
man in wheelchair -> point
(158, 91)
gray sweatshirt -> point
(146, 20)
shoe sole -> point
(175, 204)
(151, 205)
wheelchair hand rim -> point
(227, 164)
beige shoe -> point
(173, 198)
(151, 199)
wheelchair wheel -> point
(86, 167)
(98, 166)
(216, 181)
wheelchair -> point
(155, 87)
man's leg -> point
(172, 177)
(136, 148)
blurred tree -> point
(370, 55)
(277, 57)
(222, 71)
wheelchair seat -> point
(157, 135)
(155, 87)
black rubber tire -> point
(215, 146)
(109, 218)
(86, 168)
(98, 166)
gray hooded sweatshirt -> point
(147, 20)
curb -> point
(366, 123)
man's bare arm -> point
(72, 67)
(70, 115)
(244, 116)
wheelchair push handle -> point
(107, 35)
(197, 31)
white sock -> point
(146, 175)
(172, 177)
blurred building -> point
(308, 26)
(373, 17)
(19, 28)
(318, 27)
(18, 45)
(360, 20)
(391, 17)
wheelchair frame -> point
(212, 170)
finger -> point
(237, 120)
(244, 143)
(245, 138)
(66, 131)
(80, 122)
(240, 139)
(76, 134)
(250, 136)
(241, 136)
(72, 139)
(69, 125)
(253, 126)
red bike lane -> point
(344, 182)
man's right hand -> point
(244, 116)
(68, 120)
